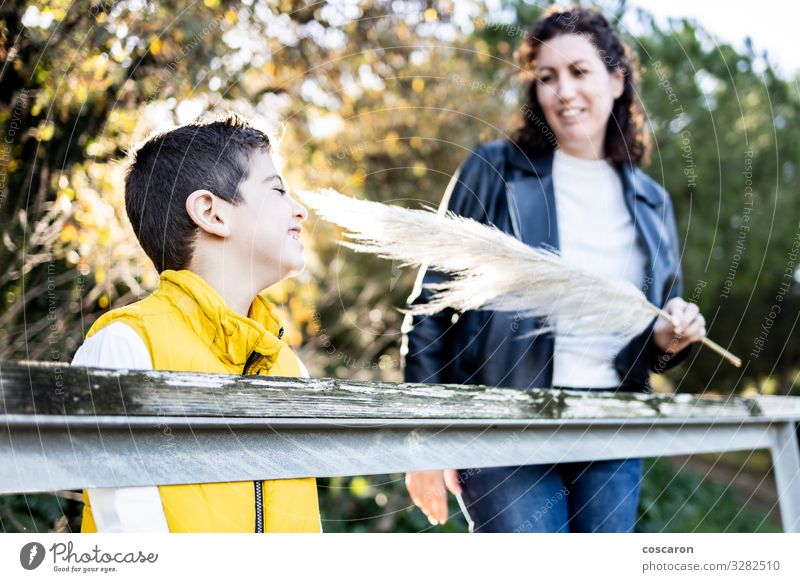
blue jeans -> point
(598, 496)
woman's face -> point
(576, 92)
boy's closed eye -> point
(277, 184)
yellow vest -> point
(188, 327)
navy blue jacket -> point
(500, 185)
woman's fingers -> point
(691, 313)
(451, 481)
(427, 491)
(696, 330)
(438, 509)
(677, 308)
(691, 327)
(687, 326)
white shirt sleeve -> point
(125, 509)
(303, 370)
(115, 346)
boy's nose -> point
(300, 211)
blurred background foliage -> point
(382, 100)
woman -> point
(568, 179)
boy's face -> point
(266, 226)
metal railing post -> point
(786, 464)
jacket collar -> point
(231, 336)
(539, 165)
(542, 166)
(632, 182)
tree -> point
(378, 99)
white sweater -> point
(596, 233)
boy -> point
(211, 211)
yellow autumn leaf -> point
(302, 312)
(391, 139)
(46, 132)
(278, 294)
(68, 233)
(292, 336)
(156, 46)
(359, 487)
(359, 177)
(402, 32)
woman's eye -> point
(545, 78)
(579, 72)
(280, 191)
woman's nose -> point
(566, 88)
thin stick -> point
(709, 343)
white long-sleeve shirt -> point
(596, 233)
(124, 509)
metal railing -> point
(72, 428)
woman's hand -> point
(690, 328)
(427, 491)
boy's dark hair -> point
(204, 155)
(625, 140)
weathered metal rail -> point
(70, 428)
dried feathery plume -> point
(490, 269)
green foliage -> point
(675, 499)
(724, 149)
(377, 503)
(40, 513)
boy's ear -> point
(209, 212)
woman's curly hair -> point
(625, 141)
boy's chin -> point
(294, 269)
(287, 271)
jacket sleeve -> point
(427, 346)
(658, 361)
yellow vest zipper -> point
(259, 491)
(258, 485)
